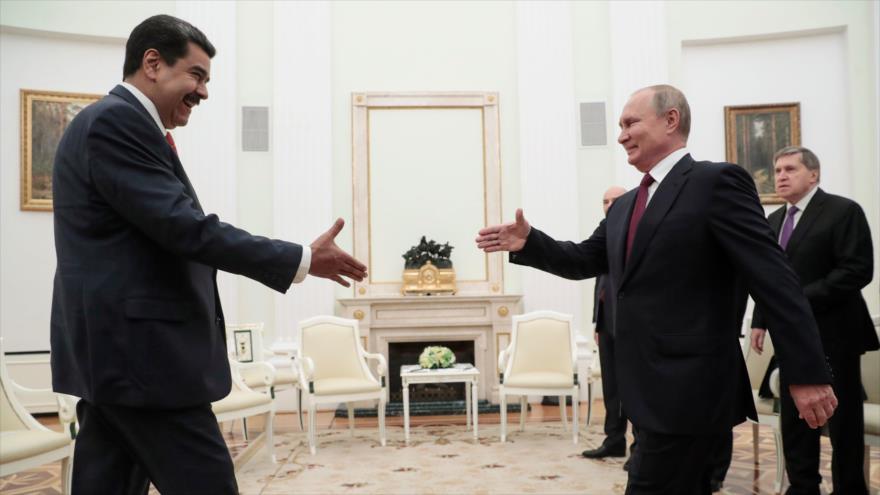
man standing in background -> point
(137, 327)
(614, 444)
(828, 241)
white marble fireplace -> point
(484, 320)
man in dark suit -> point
(614, 444)
(680, 251)
(137, 326)
(828, 241)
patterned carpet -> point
(445, 459)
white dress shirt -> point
(801, 206)
(306, 261)
(661, 170)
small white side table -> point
(463, 372)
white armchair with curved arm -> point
(540, 360)
(767, 408)
(24, 442)
(332, 368)
(245, 341)
(244, 402)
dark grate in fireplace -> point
(401, 353)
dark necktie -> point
(170, 142)
(638, 211)
(787, 227)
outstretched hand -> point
(329, 261)
(815, 403)
(505, 237)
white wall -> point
(444, 46)
(774, 71)
(27, 243)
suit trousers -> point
(615, 419)
(122, 449)
(846, 428)
(666, 464)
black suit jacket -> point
(680, 299)
(830, 250)
(136, 317)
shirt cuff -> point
(304, 264)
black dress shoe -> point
(626, 465)
(716, 485)
(605, 451)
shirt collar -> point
(802, 204)
(147, 103)
(665, 165)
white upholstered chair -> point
(768, 413)
(332, 368)
(540, 360)
(244, 402)
(24, 442)
(245, 341)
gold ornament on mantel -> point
(428, 269)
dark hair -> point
(169, 35)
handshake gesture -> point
(329, 261)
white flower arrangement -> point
(436, 357)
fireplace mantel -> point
(484, 319)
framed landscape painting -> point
(753, 133)
(44, 117)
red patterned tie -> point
(638, 211)
(171, 142)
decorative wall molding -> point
(302, 144)
(638, 59)
(548, 144)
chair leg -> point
(270, 440)
(755, 442)
(780, 460)
(563, 413)
(299, 408)
(523, 410)
(867, 465)
(574, 413)
(244, 428)
(66, 472)
(503, 414)
(382, 419)
(312, 426)
(350, 417)
(589, 403)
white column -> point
(548, 140)
(207, 145)
(638, 59)
(301, 135)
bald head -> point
(610, 195)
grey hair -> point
(808, 158)
(667, 97)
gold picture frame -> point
(45, 116)
(753, 133)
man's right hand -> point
(329, 261)
(505, 237)
(757, 339)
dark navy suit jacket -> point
(136, 317)
(702, 243)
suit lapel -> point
(617, 225)
(808, 218)
(656, 210)
(176, 166)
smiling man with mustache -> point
(137, 326)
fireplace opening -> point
(401, 353)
